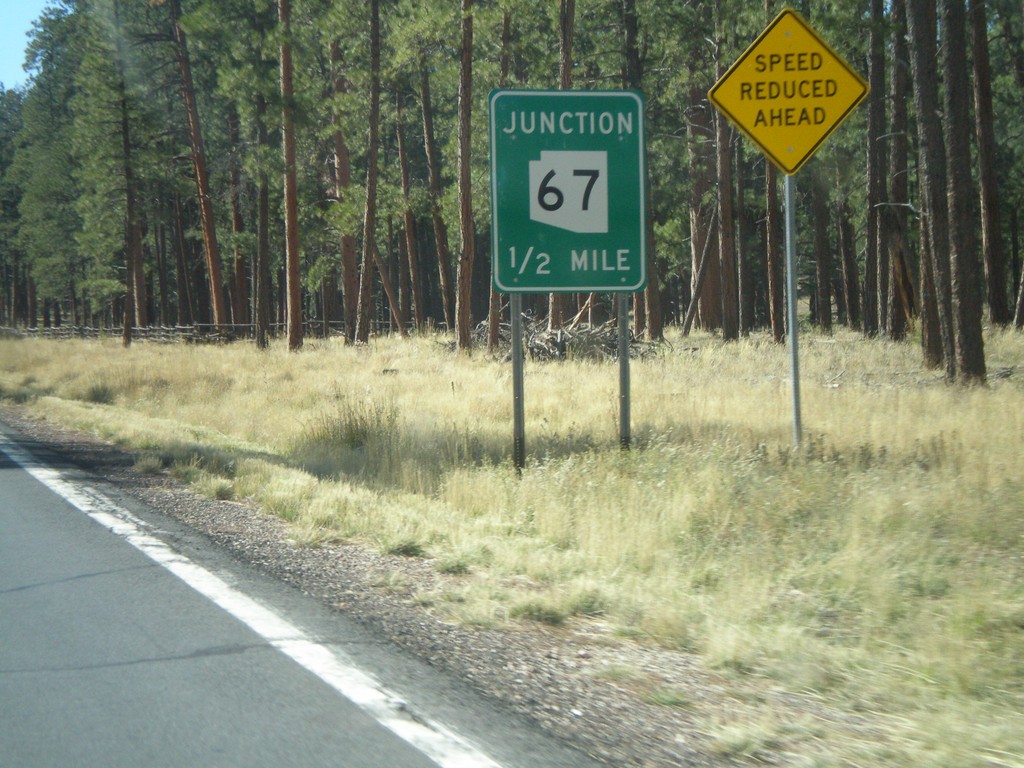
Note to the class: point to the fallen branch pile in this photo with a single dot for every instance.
(575, 342)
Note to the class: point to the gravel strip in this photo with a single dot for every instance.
(623, 702)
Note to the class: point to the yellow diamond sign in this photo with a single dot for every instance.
(788, 91)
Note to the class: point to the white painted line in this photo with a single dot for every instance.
(443, 746)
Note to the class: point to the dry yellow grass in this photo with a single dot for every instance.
(880, 565)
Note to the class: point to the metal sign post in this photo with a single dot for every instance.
(788, 92)
(794, 357)
(624, 433)
(568, 210)
(518, 412)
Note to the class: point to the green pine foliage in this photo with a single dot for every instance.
(63, 172)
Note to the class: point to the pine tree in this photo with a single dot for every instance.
(44, 167)
(988, 171)
(10, 255)
(936, 290)
(204, 194)
(966, 278)
(467, 231)
(293, 274)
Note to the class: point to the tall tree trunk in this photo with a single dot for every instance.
(932, 174)
(181, 267)
(1011, 36)
(746, 253)
(342, 183)
(895, 217)
(200, 287)
(726, 215)
(6, 300)
(726, 232)
(239, 285)
(700, 268)
(262, 288)
(848, 254)
(902, 303)
(1014, 265)
(134, 244)
(160, 248)
(281, 300)
(984, 126)
(1018, 273)
(5, 295)
(1018, 314)
(822, 251)
(707, 292)
(394, 302)
(464, 277)
(632, 78)
(21, 293)
(434, 181)
(931, 333)
(329, 304)
(293, 275)
(409, 221)
(370, 213)
(1013, 40)
(203, 192)
(966, 267)
(566, 32)
(134, 299)
(774, 240)
(33, 298)
(873, 267)
(505, 64)
(402, 283)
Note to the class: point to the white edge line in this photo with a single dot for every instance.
(443, 746)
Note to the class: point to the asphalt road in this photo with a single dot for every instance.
(109, 656)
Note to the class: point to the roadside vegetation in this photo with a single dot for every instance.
(878, 566)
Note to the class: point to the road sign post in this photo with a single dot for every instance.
(788, 92)
(791, 290)
(568, 209)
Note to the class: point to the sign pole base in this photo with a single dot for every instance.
(518, 413)
(624, 416)
(791, 297)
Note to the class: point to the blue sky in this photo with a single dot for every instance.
(16, 17)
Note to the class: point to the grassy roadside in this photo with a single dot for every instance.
(880, 566)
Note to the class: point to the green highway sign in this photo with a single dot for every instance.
(568, 210)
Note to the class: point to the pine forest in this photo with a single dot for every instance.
(312, 167)
(304, 189)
